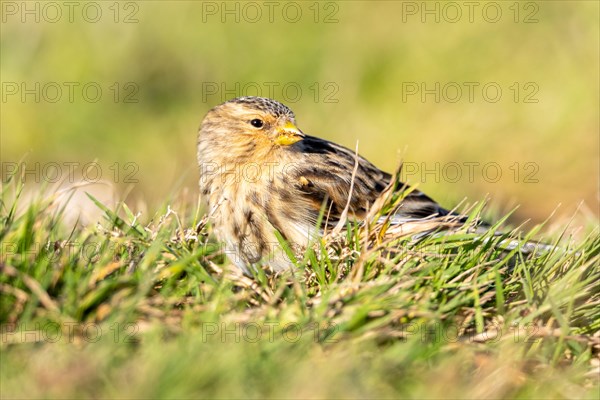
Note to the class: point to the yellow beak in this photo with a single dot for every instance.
(288, 134)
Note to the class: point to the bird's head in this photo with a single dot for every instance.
(257, 118)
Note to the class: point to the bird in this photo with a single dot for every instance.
(266, 182)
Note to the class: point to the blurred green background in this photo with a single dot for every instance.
(350, 71)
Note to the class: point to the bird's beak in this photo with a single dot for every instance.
(288, 134)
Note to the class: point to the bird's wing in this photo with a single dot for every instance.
(326, 173)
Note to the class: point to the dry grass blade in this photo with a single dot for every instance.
(344, 215)
(33, 285)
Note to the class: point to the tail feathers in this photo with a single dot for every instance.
(509, 244)
(419, 229)
(529, 247)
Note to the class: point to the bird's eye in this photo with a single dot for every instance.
(257, 123)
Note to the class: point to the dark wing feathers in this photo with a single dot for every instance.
(332, 184)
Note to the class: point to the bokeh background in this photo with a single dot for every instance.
(352, 71)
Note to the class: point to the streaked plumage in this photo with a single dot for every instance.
(261, 179)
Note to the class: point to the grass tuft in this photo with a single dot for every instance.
(132, 308)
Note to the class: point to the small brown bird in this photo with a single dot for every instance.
(261, 174)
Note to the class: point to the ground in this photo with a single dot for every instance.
(148, 309)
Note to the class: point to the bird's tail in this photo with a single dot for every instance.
(461, 228)
(394, 215)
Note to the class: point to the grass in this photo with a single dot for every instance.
(146, 309)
